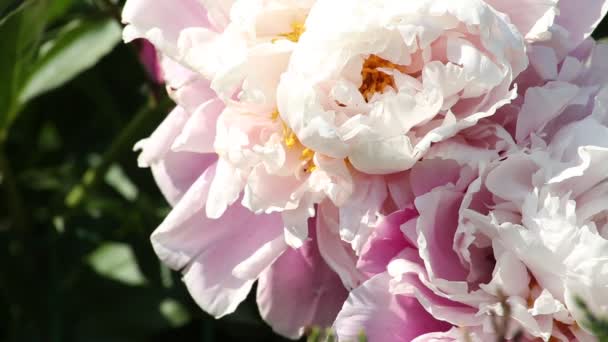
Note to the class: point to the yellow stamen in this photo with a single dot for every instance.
(274, 115)
(290, 139)
(307, 154)
(297, 28)
(311, 168)
(374, 80)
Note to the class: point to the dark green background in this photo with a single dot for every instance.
(76, 211)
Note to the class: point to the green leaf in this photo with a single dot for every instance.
(58, 8)
(597, 325)
(117, 179)
(116, 261)
(174, 312)
(7, 6)
(78, 46)
(20, 32)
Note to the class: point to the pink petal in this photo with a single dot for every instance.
(338, 254)
(162, 21)
(159, 143)
(382, 316)
(359, 214)
(267, 190)
(431, 173)
(149, 58)
(512, 179)
(207, 251)
(400, 189)
(174, 172)
(385, 243)
(532, 17)
(177, 171)
(198, 134)
(188, 89)
(410, 279)
(543, 104)
(544, 60)
(300, 290)
(580, 18)
(436, 228)
(175, 74)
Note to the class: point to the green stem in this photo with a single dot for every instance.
(123, 143)
(14, 199)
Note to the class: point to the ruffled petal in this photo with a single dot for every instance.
(338, 254)
(371, 309)
(207, 251)
(385, 243)
(299, 291)
(177, 171)
(533, 18)
(580, 18)
(162, 21)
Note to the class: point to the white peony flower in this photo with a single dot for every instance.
(381, 81)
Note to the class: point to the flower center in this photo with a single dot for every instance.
(291, 141)
(297, 28)
(375, 80)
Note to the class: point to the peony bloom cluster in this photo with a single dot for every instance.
(410, 169)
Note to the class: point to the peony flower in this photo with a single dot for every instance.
(222, 258)
(259, 156)
(301, 125)
(381, 82)
(530, 228)
(400, 285)
(222, 254)
(543, 218)
(215, 146)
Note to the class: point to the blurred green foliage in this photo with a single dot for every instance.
(598, 325)
(76, 211)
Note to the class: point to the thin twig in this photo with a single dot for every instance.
(123, 143)
(501, 323)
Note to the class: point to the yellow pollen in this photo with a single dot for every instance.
(307, 154)
(274, 115)
(374, 80)
(311, 168)
(291, 141)
(297, 28)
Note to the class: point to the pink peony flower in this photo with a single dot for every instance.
(407, 259)
(531, 226)
(204, 153)
(323, 146)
